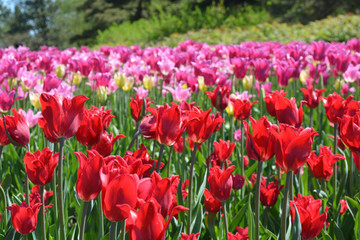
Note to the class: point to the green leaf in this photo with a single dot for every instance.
(211, 220)
(250, 218)
(325, 235)
(251, 169)
(338, 233)
(296, 226)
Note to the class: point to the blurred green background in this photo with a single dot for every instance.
(67, 23)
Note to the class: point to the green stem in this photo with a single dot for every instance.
(112, 231)
(261, 100)
(3, 198)
(242, 149)
(169, 161)
(335, 166)
(101, 233)
(56, 228)
(311, 117)
(1, 149)
(27, 189)
(351, 183)
(257, 198)
(285, 205)
(225, 219)
(160, 158)
(60, 189)
(83, 220)
(222, 127)
(193, 158)
(43, 223)
(153, 149)
(135, 137)
(123, 230)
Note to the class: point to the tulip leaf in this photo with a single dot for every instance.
(296, 226)
(196, 224)
(250, 218)
(211, 220)
(12, 234)
(251, 170)
(357, 226)
(325, 235)
(353, 205)
(202, 188)
(342, 182)
(338, 233)
(180, 199)
(238, 217)
(320, 193)
(268, 232)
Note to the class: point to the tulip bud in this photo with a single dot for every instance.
(102, 94)
(35, 100)
(148, 82)
(230, 109)
(128, 84)
(304, 74)
(77, 78)
(120, 79)
(202, 85)
(60, 71)
(247, 82)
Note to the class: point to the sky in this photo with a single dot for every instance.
(9, 3)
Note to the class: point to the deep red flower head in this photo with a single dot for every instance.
(286, 110)
(210, 203)
(319, 49)
(322, 165)
(106, 143)
(149, 223)
(335, 106)
(136, 106)
(4, 140)
(88, 182)
(311, 221)
(220, 97)
(6, 100)
(311, 97)
(193, 236)
(40, 166)
(242, 234)
(24, 218)
(18, 128)
(269, 193)
(240, 67)
(203, 125)
(350, 132)
(119, 195)
(35, 196)
(148, 126)
(179, 145)
(270, 102)
(224, 149)
(344, 206)
(169, 125)
(242, 108)
(220, 182)
(238, 181)
(260, 145)
(61, 116)
(293, 146)
(352, 108)
(94, 123)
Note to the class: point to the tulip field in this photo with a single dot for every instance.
(259, 140)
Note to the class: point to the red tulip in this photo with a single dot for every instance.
(150, 224)
(179, 145)
(203, 125)
(221, 183)
(242, 108)
(269, 193)
(270, 100)
(311, 221)
(260, 144)
(312, 99)
(106, 144)
(322, 165)
(35, 196)
(293, 146)
(238, 181)
(6, 100)
(61, 116)
(4, 140)
(261, 69)
(119, 195)
(94, 123)
(335, 106)
(286, 110)
(344, 206)
(169, 125)
(224, 149)
(40, 166)
(350, 132)
(242, 234)
(193, 236)
(24, 218)
(136, 106)
(18, 128)
(220, 97)
(148, 126)
(88, 183)
(210, 203)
